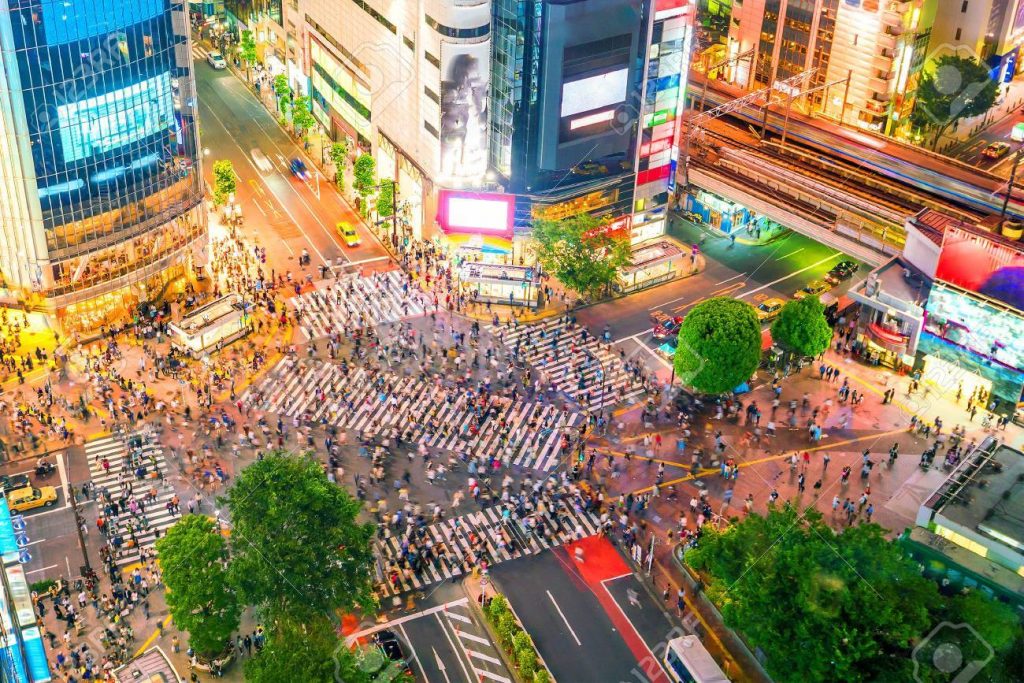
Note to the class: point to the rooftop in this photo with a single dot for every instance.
(986, 494)
(933, 225)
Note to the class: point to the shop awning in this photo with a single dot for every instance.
(890, 341)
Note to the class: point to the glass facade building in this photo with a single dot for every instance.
(100, 187)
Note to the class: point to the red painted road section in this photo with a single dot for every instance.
(601, 561)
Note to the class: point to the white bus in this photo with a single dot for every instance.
(688, 662)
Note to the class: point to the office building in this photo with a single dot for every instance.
(558, 106)
(863, 57)
(100, 190)
(991, 31)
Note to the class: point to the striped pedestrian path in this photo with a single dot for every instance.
(574, 360)
(354, 301)
(527, 433)
(500, 540)
(141, 530)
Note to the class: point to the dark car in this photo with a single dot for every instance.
(668, 329)
(13, 482)
(843, 270)
(299, 169)
(391, 646)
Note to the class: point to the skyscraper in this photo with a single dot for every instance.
(100, 189)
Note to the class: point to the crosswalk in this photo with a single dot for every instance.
(114, 451)
(502, 540)
(526, 433)
(575, 361)
(357, 301)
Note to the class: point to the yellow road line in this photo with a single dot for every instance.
(706, 471)
(97, 435)
(154, 636)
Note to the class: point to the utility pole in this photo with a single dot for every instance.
(1009, 185)
(79, 523)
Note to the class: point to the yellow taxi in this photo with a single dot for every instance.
(30, 498)
(348, 234)
(769, 309)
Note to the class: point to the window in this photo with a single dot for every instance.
(431, 94)
(432, 59)
(447, 31)
(963, 8)
(958, 32)
(431, 129)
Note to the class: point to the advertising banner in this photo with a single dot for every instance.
(982, 265)
(465, 81)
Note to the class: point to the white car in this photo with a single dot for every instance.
(216, 60)
(260, 160)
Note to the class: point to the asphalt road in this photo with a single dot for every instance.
(445, 641)
(752, 273)
(572, 623)
(998, 132)
(286, 213)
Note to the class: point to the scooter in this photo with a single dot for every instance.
(45, 469)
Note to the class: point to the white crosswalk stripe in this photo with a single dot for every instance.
(452, 542)
(526, 433)
(355, 301)
(575, 361)
(134, 533)
(199, 52)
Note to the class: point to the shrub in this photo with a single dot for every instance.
(506, 631)
(498, 606)
(541, 676)
(522, 641)
(527, 662)
(42, 586)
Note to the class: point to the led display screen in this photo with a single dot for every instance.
(476, 212)
(981, 265)
(65, 21)
(109, 121)
(594, 92)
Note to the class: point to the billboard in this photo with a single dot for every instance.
(982, 265)
(477, 213)
(106, 122)
(65, 21)
(465, 71)
(594, 92)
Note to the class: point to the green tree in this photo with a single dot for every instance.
(824, 606)
(297, 547)
(801, 327)
(579, 252)
(193, 557)
(386, 198)
(364, 175)
(719, 345)
(338, 152)
(953, 88)
(248, 50)
(283, 91)
(225, 181)
(302, 117)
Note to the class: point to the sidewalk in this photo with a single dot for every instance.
(966, 130)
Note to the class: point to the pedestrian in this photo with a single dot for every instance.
(633, 597)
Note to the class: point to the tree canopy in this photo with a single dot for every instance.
(802, 328)
(719, 345)
(193, 556)
(386, 198)
(579, 252)
(364, 175)
(953, 88)
(302, 117)
(829, 606)
(248, 45)
(225, 182)
(296, 545)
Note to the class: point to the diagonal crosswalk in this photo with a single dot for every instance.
(575, 361)
(526, 433)
(453, 543)
(355, 301)
(136, 531)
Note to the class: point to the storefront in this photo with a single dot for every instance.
(721, 214)
(651, 264)
(501, 284)
(410, 185)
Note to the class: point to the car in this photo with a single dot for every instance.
(348, 234)
(392, 648)
(260, 160)
(843, 270)
(216, 60)
(813, 288)
(12, 482)
(996, 150)
(299, 170)
(30, 498)
(769, 309)
(668, 329)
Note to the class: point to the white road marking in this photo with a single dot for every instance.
(472, 636)
(561, 614)
(34, 571)
(401, 620)
(730, 279)
(481, 655)
(455, 648)
(790, 254)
